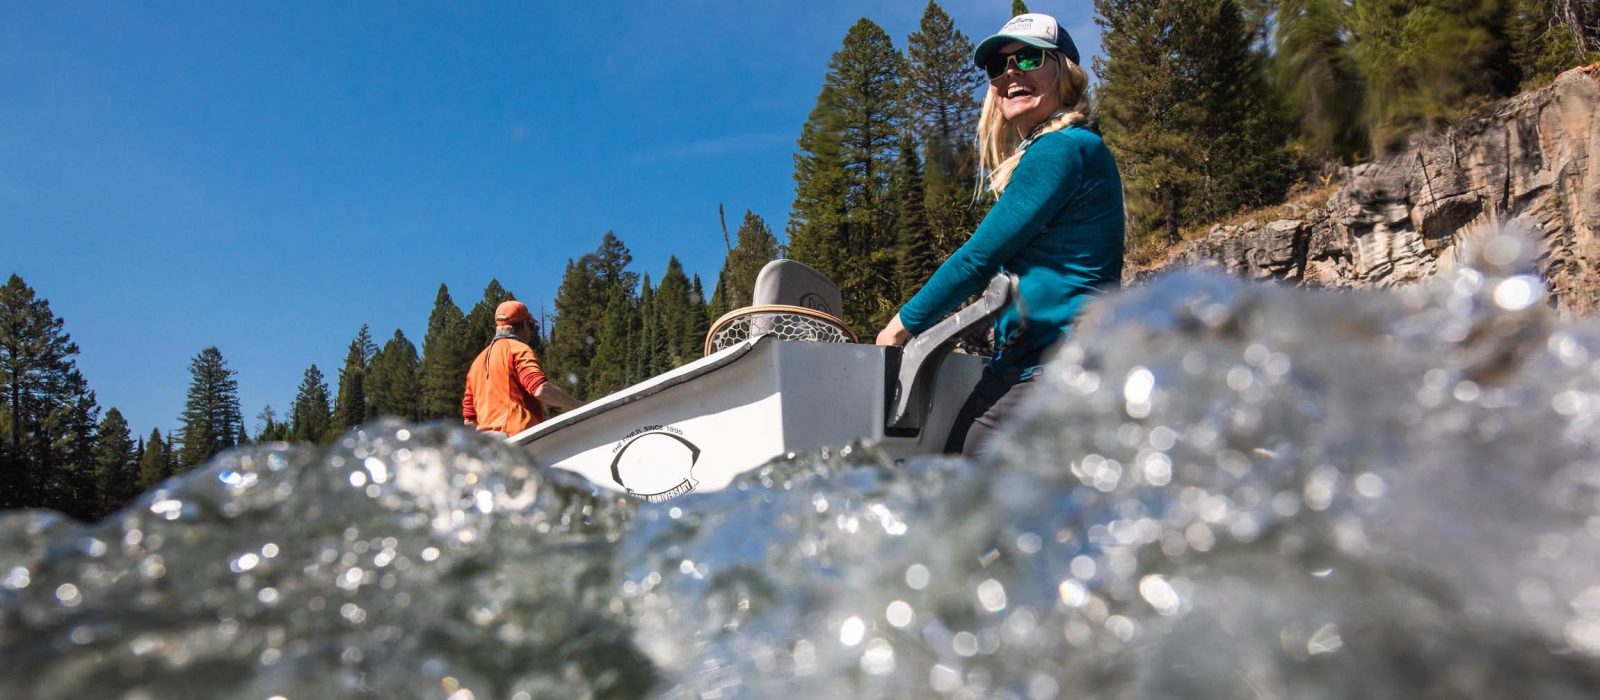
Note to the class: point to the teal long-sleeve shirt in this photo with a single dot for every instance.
(1058, 226)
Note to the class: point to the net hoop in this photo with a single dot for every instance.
(786, 322)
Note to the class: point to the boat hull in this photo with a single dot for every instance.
(699, 426)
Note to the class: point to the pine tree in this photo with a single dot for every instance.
(580, 309)
(351, 405)
(611, 262)
(1018, 7)
(170, 463)
(859, 113)
(1551, 36)
(755, 246)
(575, 331)
(211, 417)
(48, 412)
(816, 229)
(941, 90)
(610, 369)
(915, 249)
(116, 470)
(447, 353)
(311, 420)
(699, 321)
(272, 430)
(153, 463)
(480, 321)
(1247, 162)
(1317, 79)
(651, 354)
(392, 383)
(1421, 59)
(675, 312)
(1186, 110)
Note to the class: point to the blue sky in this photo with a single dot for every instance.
(267, 177)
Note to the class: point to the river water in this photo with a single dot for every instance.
(1225, 490)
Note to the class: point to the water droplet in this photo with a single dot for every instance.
(68, 595)
(917, 577)
(899, 613)
(852, 631)
(878, 659)
(992, 595)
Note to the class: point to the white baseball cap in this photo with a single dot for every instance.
(1037, 30)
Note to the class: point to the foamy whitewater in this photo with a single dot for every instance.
(1225, 489)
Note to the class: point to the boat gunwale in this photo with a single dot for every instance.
(638, 392)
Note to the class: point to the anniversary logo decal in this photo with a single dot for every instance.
(655, 462)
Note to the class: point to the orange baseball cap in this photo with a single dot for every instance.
(513, 311)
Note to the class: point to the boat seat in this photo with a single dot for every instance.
(791, 301)
(792, 283)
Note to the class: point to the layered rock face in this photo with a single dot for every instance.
(1532, 163)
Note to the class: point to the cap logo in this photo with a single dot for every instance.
(1025, 24)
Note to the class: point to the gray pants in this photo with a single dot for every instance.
(992, 402)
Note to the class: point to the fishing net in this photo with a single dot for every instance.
(785, 322)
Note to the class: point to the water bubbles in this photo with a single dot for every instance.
(964, 644)
(1136, 392)
(1159, 594)
(1073, 594)
(1162, 438)
(878, 658)
(377, 468)
(852, 631)
(1518, 293)
(1370, 485)
(899, 613)
(1082, 567)
(1156, 468)
(167, 508)
(17, 578)
(1325, 640)
(1029, 543)
(917, 577)
(92, 547)
(68, 595)
(1124, 629)
(1303, 462)
(244, 562)
(1042, 687)
(944, 679)
(992, 595)
(1502, 250)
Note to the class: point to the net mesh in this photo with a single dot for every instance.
(786, 324)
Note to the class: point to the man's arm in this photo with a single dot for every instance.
(551, 395)
(531, 374)
(469, 412)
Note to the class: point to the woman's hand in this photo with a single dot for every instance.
(895, 333)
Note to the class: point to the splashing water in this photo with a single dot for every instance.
(1222, 489)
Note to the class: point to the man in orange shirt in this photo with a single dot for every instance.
(506, 388)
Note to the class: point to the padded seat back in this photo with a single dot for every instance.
(791, 283)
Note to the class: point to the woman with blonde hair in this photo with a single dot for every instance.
(1057, 225)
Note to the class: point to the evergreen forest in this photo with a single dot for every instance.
(1211, 107)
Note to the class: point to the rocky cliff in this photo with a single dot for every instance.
(1531, 162)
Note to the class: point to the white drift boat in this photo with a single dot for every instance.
(781, 376)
